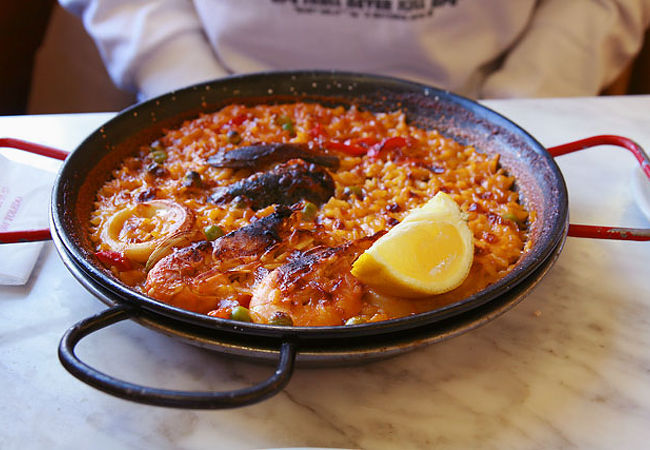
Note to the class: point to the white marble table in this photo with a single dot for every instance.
(569, 367)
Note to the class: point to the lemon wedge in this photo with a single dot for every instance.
(430, 252)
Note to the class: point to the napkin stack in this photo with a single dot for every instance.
(24, 202)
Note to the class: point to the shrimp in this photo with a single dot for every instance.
(199, 277)
(315, 289)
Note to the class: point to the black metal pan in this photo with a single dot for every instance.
(539, 182)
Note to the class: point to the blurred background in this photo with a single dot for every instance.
(50, 65)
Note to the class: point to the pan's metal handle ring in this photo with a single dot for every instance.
(11, 237)
(604, 232)
(162, 397)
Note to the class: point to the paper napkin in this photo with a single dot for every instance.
(24, 205)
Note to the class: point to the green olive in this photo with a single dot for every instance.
(155, 169)
(353, 190)
(192, 179)
(282, 319)
(233, 137)
(239, 202)
(511, 217)
(159, 156)
(213, 232)
(287, 124)
(356, 320)
(309, 211)
(240, 314)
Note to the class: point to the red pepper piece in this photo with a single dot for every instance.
(393, 142)
(388, 144)
(110, 258)
(346, 147)
(237, 120)
(317, 131)
(367, 142)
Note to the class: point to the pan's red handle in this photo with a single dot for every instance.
(604, 232)
(32, 147)
(10, 237)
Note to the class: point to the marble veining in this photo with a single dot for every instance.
(569, 367)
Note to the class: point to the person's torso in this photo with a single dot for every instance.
(448, 43)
